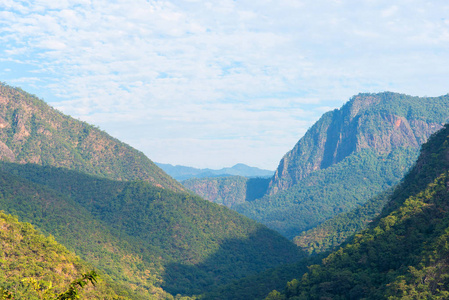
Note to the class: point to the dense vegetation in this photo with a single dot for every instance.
(335, 231)
(381, 122)
(33, 132)
(326, 193)
(347, 157)
(29, 259)
(140, 235)
(228, 190)
(404, 252)
(258, 286)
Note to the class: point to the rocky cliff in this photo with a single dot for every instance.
(383, 122)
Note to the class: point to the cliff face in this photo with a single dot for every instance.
(403, 254)
(228, 190)
(33, 132)
(382, 122)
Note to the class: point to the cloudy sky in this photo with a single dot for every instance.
(215, 83)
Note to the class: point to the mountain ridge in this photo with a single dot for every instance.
(341, 132)
(403, 253)
(347, 157)
(119, 211)
(139, 234)
(33, 132)
(182, 173)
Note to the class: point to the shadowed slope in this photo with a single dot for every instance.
(135, 232)
(404, 253)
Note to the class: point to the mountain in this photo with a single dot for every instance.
(33, 132)
(228, 190)
(183, 173)
(345, 158)
(404, 252)
(118, 211)
(143, 237)
(382, 122)
(28, 255)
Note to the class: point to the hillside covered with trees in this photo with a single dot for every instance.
(143, 237)
(33, 132)
(346, 158)
(403, 254)
(228, 190)
(34, 266)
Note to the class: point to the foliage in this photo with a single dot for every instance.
(72, 292)
(142, 236)
(404, 252)
(347, 157)
(326, 193)
(37, 267)
(259, 285)
(335, 231)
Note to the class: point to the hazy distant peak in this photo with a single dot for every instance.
(182, 172)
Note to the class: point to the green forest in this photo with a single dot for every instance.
(347, 157)
(35, 266)
(141, 234)
(83, 214)
(403, 254)
(326, 193)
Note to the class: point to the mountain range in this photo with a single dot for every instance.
(118, 211)
(403, 254)
(348, 156)
(96, 203)
(183, 173)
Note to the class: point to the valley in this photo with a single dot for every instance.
(98, 204)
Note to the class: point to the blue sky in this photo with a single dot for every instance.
(215, 83)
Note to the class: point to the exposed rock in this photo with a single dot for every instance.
(382, 122)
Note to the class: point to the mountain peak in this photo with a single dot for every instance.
(382, 122)
(33, 132)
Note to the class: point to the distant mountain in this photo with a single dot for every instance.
(345, 158)
(228, 190)
(118, 211)
(183, 173)
(404, 252)
(33, 132)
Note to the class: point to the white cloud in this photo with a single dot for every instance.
(203, 75)
(390, 11)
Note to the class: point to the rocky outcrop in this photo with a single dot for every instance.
(382, 122)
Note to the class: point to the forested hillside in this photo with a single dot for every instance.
(33, 132)
(347, 157)
(382, 122)
(403, 254)
(335, 231)
(28, 258)
(142, 236)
